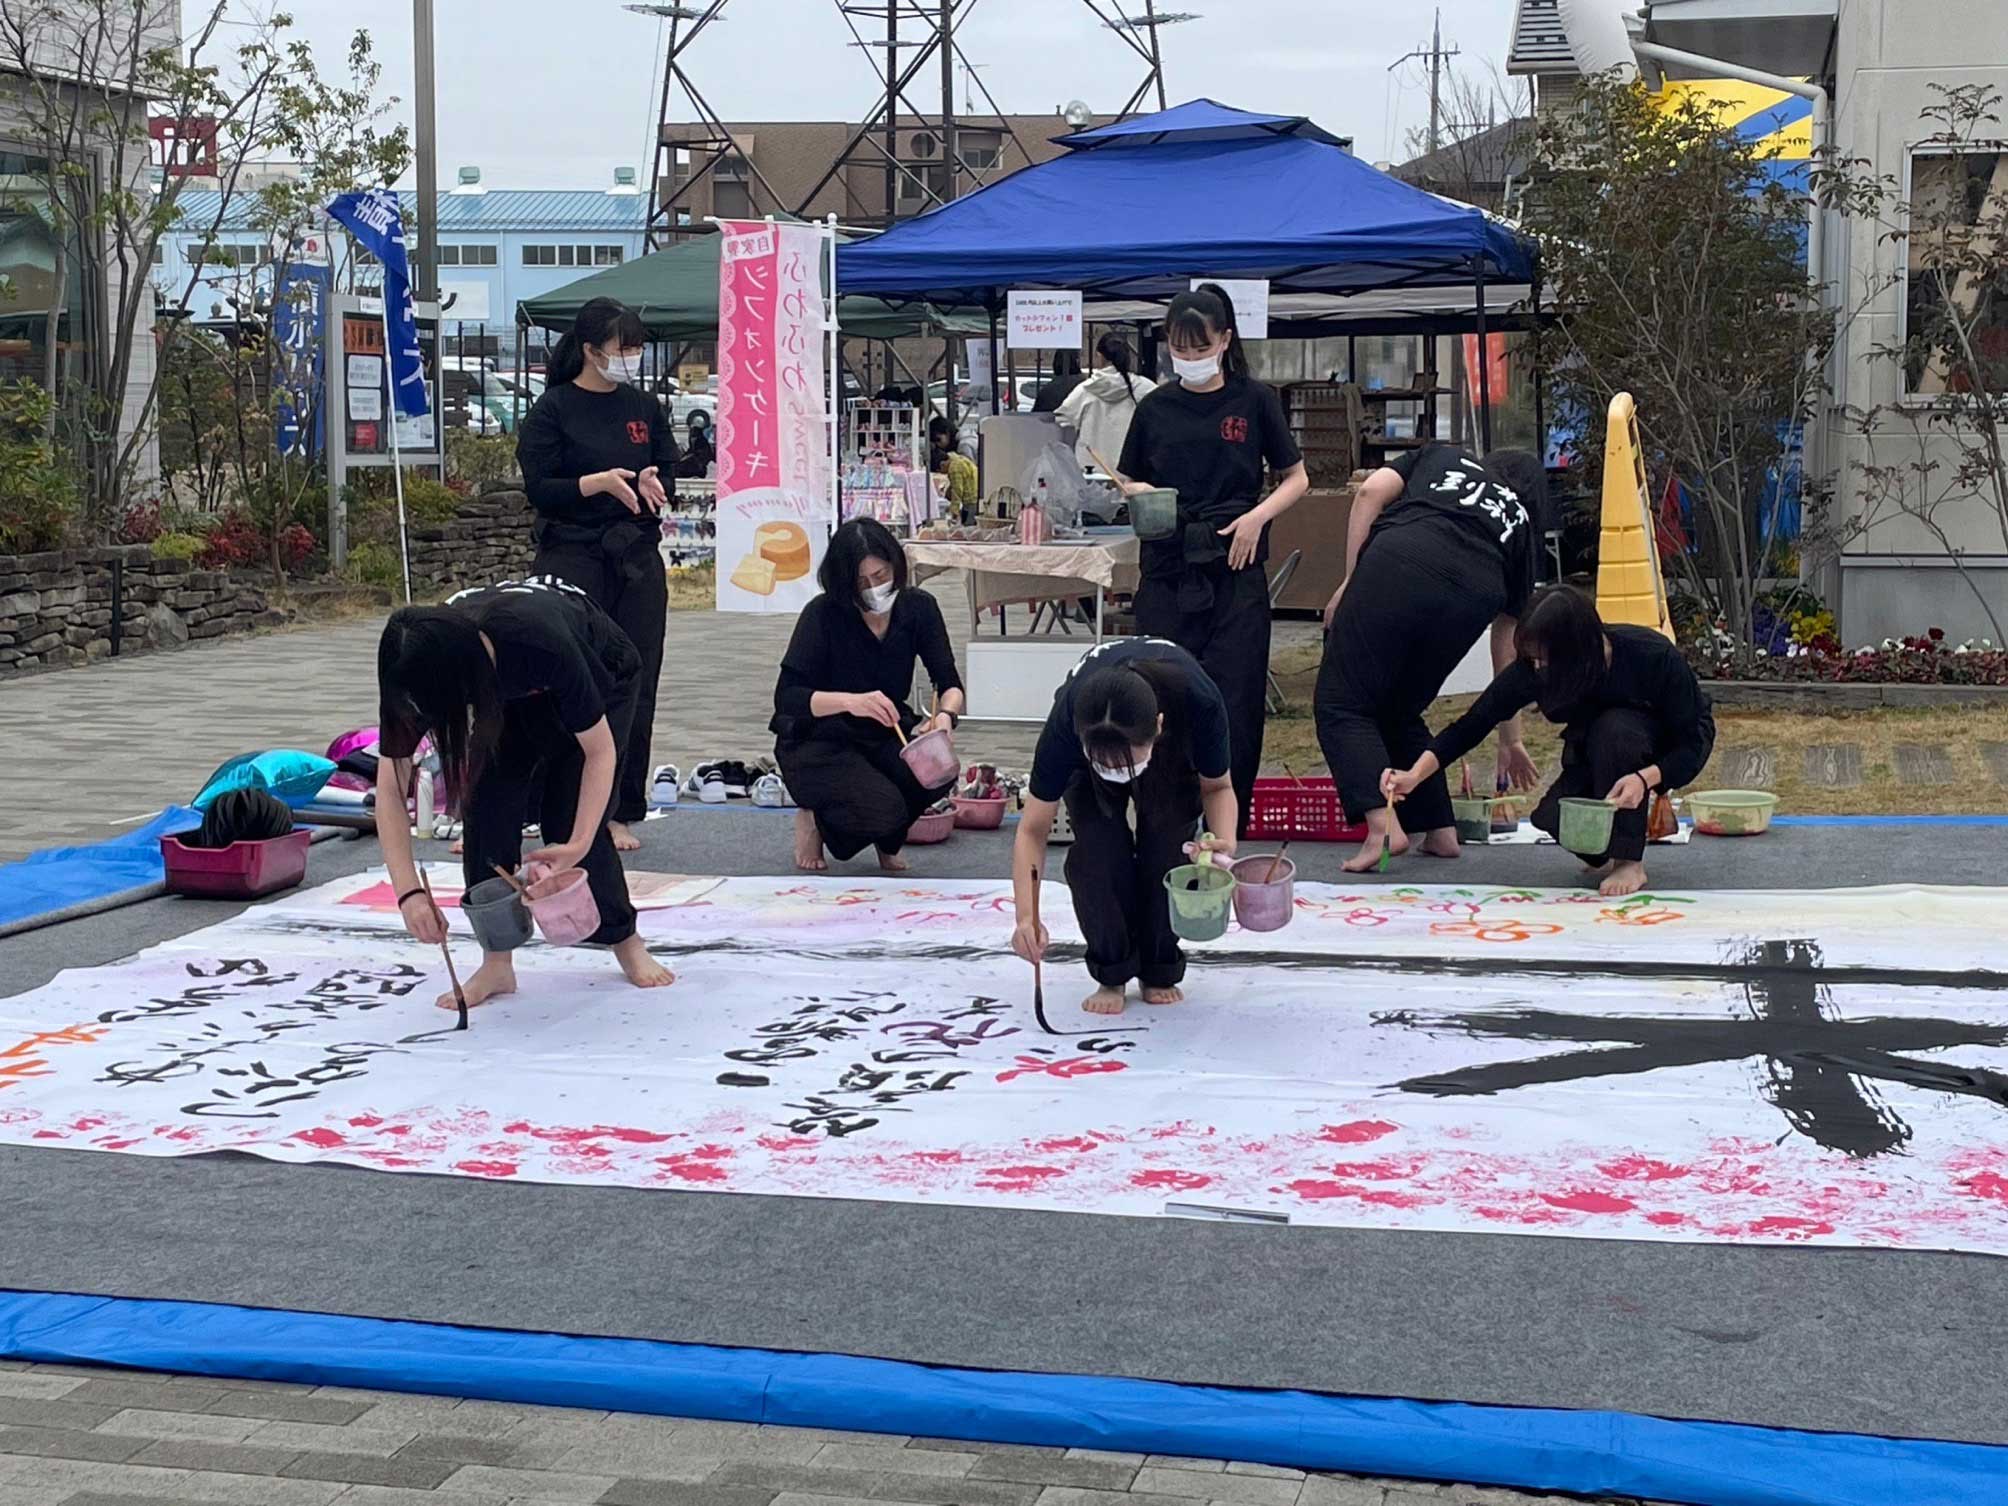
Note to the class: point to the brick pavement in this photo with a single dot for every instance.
(72, 1436)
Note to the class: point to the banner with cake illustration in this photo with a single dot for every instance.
(774, 504)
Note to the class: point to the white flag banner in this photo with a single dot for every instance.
(1823, 1067)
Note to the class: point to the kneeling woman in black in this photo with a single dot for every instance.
(1440, 545)
(1137, 718)
(526, 690)
(1634, 720)
(842, 692)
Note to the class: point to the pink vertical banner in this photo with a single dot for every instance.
(773, 457)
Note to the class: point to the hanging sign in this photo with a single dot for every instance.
(1250, 296)
(1045, 321)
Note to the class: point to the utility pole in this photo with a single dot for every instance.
(891, 111)
(951, 149)
(425, 145)
(1437, 56)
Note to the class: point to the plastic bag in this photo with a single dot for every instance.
(292, 776)
(1060, 495)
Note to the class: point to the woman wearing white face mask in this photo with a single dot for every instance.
(842, 691)
(1211, 435)
(596, 451)
(1138, 719)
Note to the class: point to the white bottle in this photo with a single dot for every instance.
(424, 812)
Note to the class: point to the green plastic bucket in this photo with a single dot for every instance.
(1474, 818)
(1154, 514)
(1586, 826)
(1202, 900)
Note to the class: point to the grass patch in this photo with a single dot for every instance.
(694, 589)
(1961, 730)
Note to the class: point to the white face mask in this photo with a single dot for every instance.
(1192, 373)
(880, 598)
(1120, 776)
(622, 367)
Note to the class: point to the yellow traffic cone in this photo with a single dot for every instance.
(1630, 587)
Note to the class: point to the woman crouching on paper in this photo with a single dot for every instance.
(526, 689)
(1634, 721)
(1138, 718)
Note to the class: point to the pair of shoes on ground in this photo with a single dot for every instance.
(725, 779)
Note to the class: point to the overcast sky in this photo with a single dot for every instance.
(556, 93)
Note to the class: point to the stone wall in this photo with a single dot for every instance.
(56, 608)
(488, 540)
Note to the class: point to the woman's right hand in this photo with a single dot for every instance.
(1398, 784)
(1332, 606)
(422, 918)
(873, 706)
(1029, 939)
(613, 483)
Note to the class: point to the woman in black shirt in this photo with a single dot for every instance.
(1210, 435)
(525, 689)
(595, 451)
(843, 688)
(698, 450)
(1634, 720)
(1440, 544)
(1137, 717)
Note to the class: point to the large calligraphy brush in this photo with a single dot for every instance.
(1038, 971)
(459, 995)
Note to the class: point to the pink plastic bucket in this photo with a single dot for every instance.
(932, 758)
(1262, 906)
(562, 904)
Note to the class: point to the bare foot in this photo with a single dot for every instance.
(495, 977)
(892, 862)
(642, 970)
(624, 840)
(808, 844)
(1369, 855)
(1624, 878)
(1104, 1001)
(1441, 843)
(1171, 994)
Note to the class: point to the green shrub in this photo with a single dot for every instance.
(178, 546)
(485, 462)
(38, 494)
(428, 503)
(375, 564)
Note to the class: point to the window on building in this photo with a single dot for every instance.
(229, 254)
(732, 200)
(606, 256)
(1956, 319)
(27, 253)
(449, 256)
(159, 254)
(567, 256)
(683, 217)
(540, 256)
(980, 151)
(477, 256)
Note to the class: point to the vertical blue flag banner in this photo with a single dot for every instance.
(299, 324)
(372, 216)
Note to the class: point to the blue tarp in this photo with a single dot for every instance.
(1590, 1453)
(1138, 209)
(58, 877)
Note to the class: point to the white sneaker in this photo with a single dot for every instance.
(664, 786)
(711, 786)
(769, 791)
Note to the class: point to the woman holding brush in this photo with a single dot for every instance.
(526, 689)
(1137, 720)
(840, 711)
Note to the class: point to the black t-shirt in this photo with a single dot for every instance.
(1482, 530)
(832, 649)
(1202, 717)
(1212, 447)
(570, 432)
(1646, 673)
(550, 640)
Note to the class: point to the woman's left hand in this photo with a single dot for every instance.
(1246, 532)
(1629, 793)
(649, 484)
(554, 858)
(938, 722)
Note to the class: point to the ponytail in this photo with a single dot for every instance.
(1204, 314)
(1115, 350)
(599, 320)
(1235, 364)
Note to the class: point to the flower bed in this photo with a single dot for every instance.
(1926, 659)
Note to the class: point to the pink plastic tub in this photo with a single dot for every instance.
(562, 905)
(935, 826)
(243, 870)
(1263, 906)
(932, 758)
(979, 815)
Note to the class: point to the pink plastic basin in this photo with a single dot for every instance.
(932, 758)
(562, 905)
(979, 815)
(1261, 906)
(243, 870)
(935, 826)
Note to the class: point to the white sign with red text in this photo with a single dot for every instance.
(1045, 321)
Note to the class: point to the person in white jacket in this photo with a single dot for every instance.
(1099, 411)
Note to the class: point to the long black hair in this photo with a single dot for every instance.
(601, 320)
(1563, 632)
(1202, 316)
(850, 546)
(435, 679)
(1116, 711)
(1066, 363)
(1114, 349)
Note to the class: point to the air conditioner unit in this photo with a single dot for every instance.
(924, 144)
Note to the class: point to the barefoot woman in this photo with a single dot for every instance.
(843, 688)
(1137, 718)
(1634, 720)
(522, 687)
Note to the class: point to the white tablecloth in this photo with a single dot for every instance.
(1001, 574)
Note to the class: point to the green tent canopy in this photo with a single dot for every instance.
(676, 293)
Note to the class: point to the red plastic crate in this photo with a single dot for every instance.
(243, 870)
(1299, 811)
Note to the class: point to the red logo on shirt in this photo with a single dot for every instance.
(637, 431)
(1234, 430)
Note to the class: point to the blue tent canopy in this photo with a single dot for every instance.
(1137, 209)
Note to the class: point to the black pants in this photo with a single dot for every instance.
(1401, 628)
(862, 794)
(537, 762)
(1595, 757)
(1116, 876)
(630, 587)
(1230, 639)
